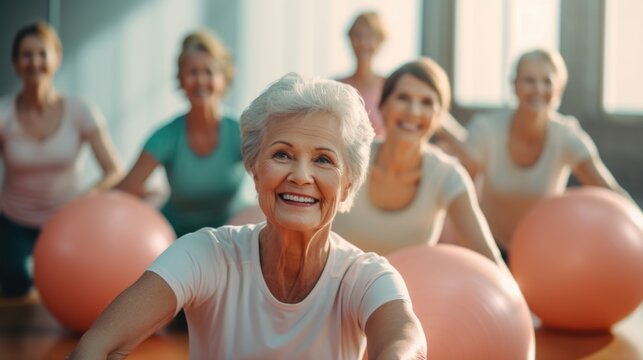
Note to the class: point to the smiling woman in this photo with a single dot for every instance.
(42, 133)
(198, 150)
(527, 154)
(412, 185)
(290, 285)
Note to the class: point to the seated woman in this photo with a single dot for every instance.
(287, 288)
(200, 150)
(367, 35)
(411, 184)
(526, 154)
(42, 133)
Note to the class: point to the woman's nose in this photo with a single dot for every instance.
(300, 173)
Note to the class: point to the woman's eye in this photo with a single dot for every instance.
(403, 96)
(281, 155)
(324, 160)
(427, 102)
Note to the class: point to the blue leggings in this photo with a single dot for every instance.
(16, 245)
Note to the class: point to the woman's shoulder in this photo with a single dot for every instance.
(228, 239)
(78, 105)
(565, 121)
(6, 108)
(491, 118)
(436, 157)
(171, 127)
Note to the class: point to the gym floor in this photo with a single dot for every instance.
(27, 331)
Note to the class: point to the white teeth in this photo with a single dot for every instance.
(408, 126)
(301, 199)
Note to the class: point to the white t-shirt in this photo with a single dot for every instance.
(510, 190)
(231, 314)
(384, 231)
(41, 176)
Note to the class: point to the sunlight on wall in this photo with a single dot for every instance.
(623, 75)
(128, 70)
(309, 37)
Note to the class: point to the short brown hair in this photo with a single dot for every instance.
(425, 70)
(209, 43)
(40, 29)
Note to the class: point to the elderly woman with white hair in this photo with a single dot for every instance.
(287, 288)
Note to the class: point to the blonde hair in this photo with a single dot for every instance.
(207, 42)
(373, 21)
(40, 29)
(552, 57)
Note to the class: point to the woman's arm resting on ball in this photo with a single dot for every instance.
(394, 332)
(133, 316)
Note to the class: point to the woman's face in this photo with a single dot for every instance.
(412, 110)
(201, 78)
(37, 60)
(365, 41)
(300, 173)
(537, 86)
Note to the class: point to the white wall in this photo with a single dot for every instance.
(121, 55)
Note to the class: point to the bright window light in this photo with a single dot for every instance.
(623, 72)
(490, 35)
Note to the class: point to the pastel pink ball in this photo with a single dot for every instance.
(91, 250)
(468, 307)
(578, 259)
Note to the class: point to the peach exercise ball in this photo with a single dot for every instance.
(578, 259)
(468, 307)
(91, 250)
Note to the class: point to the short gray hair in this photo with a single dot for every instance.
(294, 96)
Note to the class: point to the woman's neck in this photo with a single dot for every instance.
(37, 97)
(399, 156)
(293, 261)
(527, 123)
(206, 116)
(364, 73)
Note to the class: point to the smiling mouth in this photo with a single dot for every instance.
(408, 126)
(297, 199)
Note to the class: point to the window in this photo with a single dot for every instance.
(623, 71)
(489, 37)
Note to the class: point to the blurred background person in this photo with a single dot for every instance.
(200, 150)
(366, 34)
(526, 154)
(42, 133)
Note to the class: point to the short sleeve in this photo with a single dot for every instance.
(190, 267)
(478, 137)
(578, 145)
(162, 143)
(456, 182)
(88, 118)
(5, 110)
(374, 283)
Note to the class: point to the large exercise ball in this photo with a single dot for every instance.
(578, 259)
(91, 250)
(468, 307)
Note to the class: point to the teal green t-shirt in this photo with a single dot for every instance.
(205, 190)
